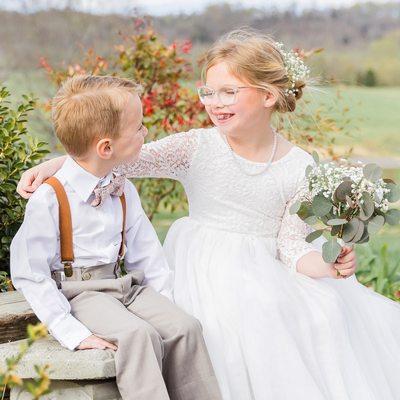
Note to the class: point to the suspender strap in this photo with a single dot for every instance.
(65, 223)
(123, 204)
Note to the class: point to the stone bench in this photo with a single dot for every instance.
(75, 375)
(15, 315)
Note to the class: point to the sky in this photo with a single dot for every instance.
(162, 7)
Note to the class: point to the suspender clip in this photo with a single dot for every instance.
(68, 268)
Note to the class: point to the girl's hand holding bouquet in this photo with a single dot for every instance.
(346, 203)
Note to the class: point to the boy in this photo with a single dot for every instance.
(65, 257)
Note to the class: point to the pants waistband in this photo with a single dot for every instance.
(104, 271)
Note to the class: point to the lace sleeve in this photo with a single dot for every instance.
(169, 157)
(291, 238)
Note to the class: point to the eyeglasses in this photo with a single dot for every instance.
(227, 95)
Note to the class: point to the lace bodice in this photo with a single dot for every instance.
(222, 196)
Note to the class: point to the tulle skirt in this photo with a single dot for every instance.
(277, 335)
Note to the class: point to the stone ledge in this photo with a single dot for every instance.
(82, 390)
(15, 315)
(64, 364)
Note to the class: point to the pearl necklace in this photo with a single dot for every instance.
(238, 159)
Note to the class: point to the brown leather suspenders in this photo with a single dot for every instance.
(65, 223)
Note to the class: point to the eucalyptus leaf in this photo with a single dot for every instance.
(321, 205)
(311, 220)
(367, 207)
(372, 172)
(331, 250)
(343, 190)
(360, 232)
(362, 215)
(392, 217)
(295, 207)
(314, 235)
(304, 211)
(394, 194)
(309, 169)
(315, 157)
(364, 238)
(375, 223)
(350, 229)
(337, 221)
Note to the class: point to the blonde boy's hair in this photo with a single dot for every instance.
(87, 108)
(255, 58)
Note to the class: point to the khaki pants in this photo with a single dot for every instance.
(161, 351)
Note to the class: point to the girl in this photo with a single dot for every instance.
(277, 322)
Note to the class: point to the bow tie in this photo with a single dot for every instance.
(115, 188)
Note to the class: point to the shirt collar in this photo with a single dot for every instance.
(81, 181)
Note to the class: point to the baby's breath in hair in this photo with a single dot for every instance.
(296, 70)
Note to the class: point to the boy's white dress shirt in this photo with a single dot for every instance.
(35, 249)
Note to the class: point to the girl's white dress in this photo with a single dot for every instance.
(272, 333)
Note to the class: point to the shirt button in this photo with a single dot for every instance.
(86, 276)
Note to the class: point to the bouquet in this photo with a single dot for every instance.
(346, 203)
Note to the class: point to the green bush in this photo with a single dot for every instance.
(379, 269)
(18, 152)
(367, 79)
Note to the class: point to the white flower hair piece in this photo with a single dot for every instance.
(296, 69)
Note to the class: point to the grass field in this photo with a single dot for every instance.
(374, 115)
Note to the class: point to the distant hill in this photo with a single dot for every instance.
(59, 35)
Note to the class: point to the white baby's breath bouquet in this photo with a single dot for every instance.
(346, 203)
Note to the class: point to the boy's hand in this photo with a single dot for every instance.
(94, 342)
(346, 264)
(35, 176)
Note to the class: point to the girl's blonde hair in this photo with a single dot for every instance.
(256, 59)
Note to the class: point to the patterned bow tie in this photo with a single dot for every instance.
(115, 188)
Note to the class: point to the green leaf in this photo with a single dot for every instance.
(295, 207)
(314, 235)
(8, 186)
(311, 220)
(360, 233)
(315, 157)
(321, 205)
(367, 207)
(16, 154)
(372, 172)
(337, 221)
(350, 229)
(309, 169)
(305, 211)
(375, 224)
(394, 194)
(331, 250)
(392, 217)
(343, 190)
(365, 237)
